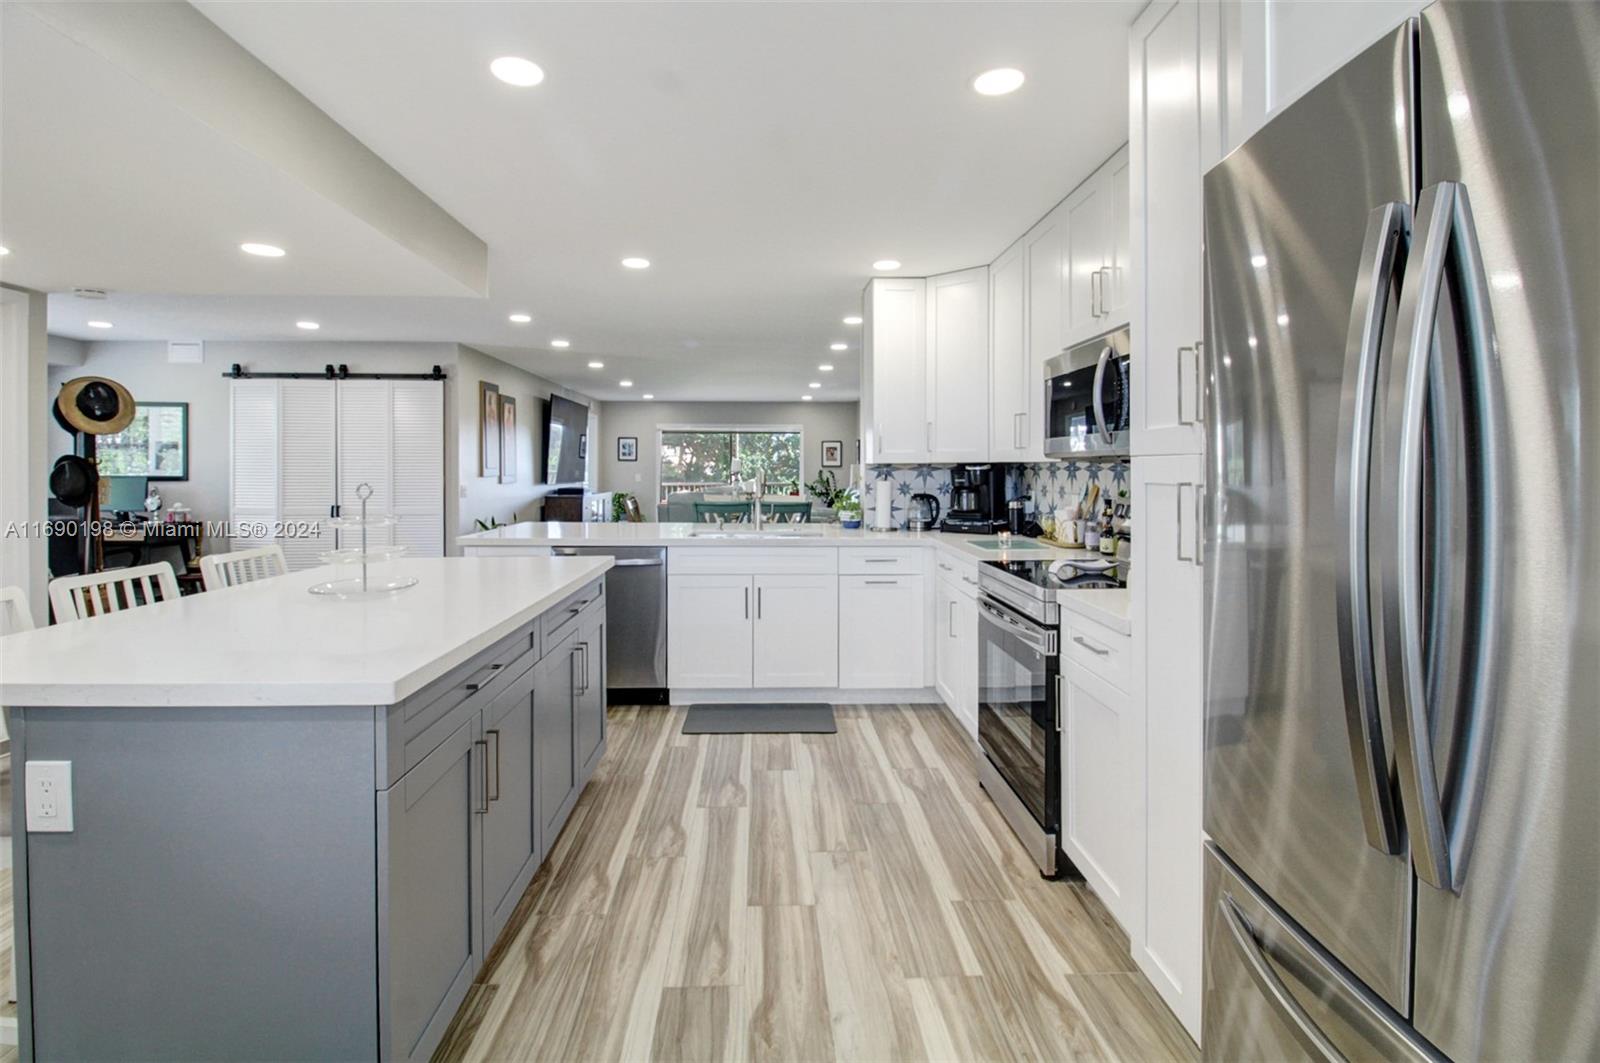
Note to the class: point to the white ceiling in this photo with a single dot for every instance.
(761, 155)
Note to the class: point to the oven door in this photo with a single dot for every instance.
(1017, 671)
(1086, 403)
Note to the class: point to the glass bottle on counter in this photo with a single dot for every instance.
(1108, 532)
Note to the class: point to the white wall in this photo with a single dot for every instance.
(818, 421)
(24, 470)
(482, 497)
(143, 368)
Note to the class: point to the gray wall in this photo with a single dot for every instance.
(481, 497)
(143, 368)
(818, 421)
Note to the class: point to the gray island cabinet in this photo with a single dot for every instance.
(250, 877)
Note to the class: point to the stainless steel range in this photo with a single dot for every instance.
(1019, 698)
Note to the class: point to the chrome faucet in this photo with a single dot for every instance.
(755, 502)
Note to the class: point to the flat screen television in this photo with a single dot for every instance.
(565, 424)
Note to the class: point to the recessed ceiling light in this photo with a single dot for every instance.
(1506, 280)
(853, 319)
(520, 319)
(634, 262)
(597, 365)
(998, 82)
(263, 250)
(1258, 261)
(824, 368)
(309, 326)
(563, 344)
(1283, 319)
(805, 398)
(814, 384)
(838, 346)
(515, 70)
(99, 324)
(1252, 342)
(625, 383)
(647, 395)
(4, 251)
(884, 264)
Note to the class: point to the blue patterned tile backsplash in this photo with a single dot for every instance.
(1051, 484)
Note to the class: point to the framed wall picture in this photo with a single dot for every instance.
(155, 444)
(627, 448)
(832, 453)
(508, 439)
(488, 429)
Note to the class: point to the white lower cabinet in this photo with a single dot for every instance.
(796, 631)
(1102, 756)
(955, 651)
(710, 630)
(1169, 681)
(882, 632)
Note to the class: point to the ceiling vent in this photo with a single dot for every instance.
(89, 293)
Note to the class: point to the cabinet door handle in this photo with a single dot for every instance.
(952, 620)
(747, 603)
(1094, 294)
(1199, 524)
(1199, 382)
(483, 776)
(1178, 364)
(1177, 495)
(583, 667)
(494, 795)
(928, 434)
(758, 603)
(1091, 647)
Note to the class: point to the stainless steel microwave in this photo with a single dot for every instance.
(1087, 398)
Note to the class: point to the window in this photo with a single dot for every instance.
(155, 444)
(699, 459)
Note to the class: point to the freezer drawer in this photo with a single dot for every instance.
(1271, 993)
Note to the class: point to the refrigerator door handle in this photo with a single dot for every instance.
(1382, 262)
(1447, 238)
(1313, 1040)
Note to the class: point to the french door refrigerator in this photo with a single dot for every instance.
(1402, 751)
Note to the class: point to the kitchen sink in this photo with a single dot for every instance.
(777, 533)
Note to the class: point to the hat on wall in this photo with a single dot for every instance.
(74, 480)
(95, 405)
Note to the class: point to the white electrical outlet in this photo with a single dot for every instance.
(49, 784)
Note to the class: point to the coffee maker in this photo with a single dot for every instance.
(977, 500)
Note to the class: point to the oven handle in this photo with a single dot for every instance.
(1041, 639)
(1099, 393)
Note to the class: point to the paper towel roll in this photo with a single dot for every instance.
(883, 505)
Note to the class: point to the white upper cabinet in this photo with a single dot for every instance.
(894, 371)
(958, 366)
(1096, 257)
(1044, 252)
(1166, 270)
(925, 369)
(1009, 368)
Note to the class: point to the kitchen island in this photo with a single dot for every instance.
(296, 824)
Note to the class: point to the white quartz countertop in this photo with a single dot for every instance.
(274, 643)
(1109, 606)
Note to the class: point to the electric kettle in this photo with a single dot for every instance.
(923, 513)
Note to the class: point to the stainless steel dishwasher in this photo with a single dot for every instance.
(636, 621)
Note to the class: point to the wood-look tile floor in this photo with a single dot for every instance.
(852, 896)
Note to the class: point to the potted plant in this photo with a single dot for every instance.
(849, 511)
(827, 492)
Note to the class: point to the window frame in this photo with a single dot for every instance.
(183, 471)
(785, 429)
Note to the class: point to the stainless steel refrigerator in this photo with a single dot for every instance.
(1402, 751)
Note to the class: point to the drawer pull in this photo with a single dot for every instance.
(880, 560)
(1091, 647)
(472, 688)
(883, 582)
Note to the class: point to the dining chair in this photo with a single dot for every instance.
(729, 512)
(98, 593)
(14, 612)
(788, 512)
(242, 566)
